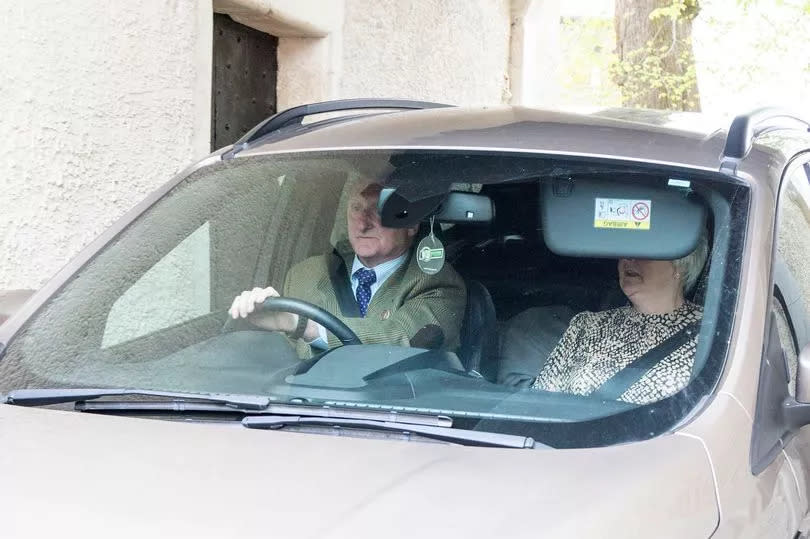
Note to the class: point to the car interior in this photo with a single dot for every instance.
(516, 282)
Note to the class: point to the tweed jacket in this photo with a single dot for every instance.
(406, 302)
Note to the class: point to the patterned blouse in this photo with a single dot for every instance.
(598, 345)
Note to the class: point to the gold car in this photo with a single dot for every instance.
(431, 321)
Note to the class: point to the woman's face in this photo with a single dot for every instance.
(648, 279)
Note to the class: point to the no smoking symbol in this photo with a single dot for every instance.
(640, 211)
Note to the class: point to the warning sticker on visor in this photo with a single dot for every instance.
(622, 213)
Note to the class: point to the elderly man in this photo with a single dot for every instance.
(373, 284)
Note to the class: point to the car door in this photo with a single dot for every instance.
(791, 302)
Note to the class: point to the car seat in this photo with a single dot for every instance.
(529, 338)
(479, 332)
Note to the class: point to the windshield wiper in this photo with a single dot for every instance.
(309, 410)
(46, 396)
(448, 434)
(207, 402)
(262, 413)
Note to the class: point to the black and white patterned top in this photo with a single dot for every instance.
(598, 345)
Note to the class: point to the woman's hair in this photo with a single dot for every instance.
(692, 264)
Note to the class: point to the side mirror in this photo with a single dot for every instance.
(803, 376)
(11, 301)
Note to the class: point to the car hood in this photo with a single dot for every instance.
(73, 474)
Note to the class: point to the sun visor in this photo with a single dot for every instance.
(585, 217)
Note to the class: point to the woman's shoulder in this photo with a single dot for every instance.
(588, 318)
(691, 312)
(693, 307)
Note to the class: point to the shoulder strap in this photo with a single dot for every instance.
(615, 386)
(339, 278)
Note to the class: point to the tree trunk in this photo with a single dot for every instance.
(657, 56)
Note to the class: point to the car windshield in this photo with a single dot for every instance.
(581, 302)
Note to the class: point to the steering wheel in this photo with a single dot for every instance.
(302, 308)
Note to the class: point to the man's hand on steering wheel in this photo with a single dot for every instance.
(248, 304)
(265, 308)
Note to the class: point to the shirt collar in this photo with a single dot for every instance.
(384, 270)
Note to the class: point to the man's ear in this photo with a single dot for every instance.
(412, 231)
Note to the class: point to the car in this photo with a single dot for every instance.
(138, 401)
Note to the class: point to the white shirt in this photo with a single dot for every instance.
(383, 272)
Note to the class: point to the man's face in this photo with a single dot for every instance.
(373, 243)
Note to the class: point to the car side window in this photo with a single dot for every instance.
(788, 340)
(792, 262)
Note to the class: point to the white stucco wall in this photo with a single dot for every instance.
(101, 103)
(447, 50)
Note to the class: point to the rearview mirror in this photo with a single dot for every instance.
(399, 211)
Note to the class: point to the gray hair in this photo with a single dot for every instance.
(691, 266)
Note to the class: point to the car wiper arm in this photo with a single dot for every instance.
(265, 415)
(468, 437)
(275, 409)
(46, 396)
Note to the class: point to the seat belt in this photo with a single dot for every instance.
(615, 386)
(339, 278)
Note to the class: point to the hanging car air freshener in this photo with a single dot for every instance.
(430, 253)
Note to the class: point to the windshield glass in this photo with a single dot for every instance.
(559, 299)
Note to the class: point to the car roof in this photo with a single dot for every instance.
(685, 139)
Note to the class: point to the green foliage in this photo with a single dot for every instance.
(587, 44)
(805, 6)
(679, 10)
(767, 40)
(662, 73)
(643, 73)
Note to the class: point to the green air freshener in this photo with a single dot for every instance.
(430, 254)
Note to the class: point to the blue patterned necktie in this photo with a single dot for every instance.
(365, 278)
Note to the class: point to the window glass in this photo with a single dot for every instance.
(470, 335)
(792, 267)
(788, 339)
(175, 290)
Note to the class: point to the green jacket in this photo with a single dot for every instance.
(407, 301)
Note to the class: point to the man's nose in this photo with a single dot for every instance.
(366, 219)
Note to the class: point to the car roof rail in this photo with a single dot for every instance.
(296, 115)
(746, 127)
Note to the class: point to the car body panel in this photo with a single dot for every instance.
(11, 301)
(505, 128)
(764, 505)
(741, 374)
(93, 475)
(797, 452)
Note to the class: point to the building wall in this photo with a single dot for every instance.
(447, 50)
(102, 102)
